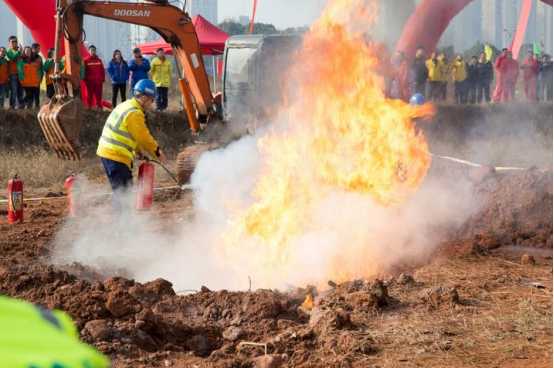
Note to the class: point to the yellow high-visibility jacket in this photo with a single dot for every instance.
(34, 337)
(124, 133)
(160, 71)
(459, 72)
(436, 70)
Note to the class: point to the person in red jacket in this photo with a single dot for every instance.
(497, 96)
(530, 67)
(499, 91)
(510, 72)
(399, 86)
(95, 74)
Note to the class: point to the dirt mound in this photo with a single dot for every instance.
(512, 208)
(20, 128)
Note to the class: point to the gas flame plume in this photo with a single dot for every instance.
(341, 136)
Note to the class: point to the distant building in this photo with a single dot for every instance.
(491, 23)
(107, 36)
(206, 8)
(465, 29)
(242, 19)
(495, 21)
(543, 28)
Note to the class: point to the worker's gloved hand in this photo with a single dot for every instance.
(140, 156)
(162, 159)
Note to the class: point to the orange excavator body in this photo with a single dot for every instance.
(61, 118)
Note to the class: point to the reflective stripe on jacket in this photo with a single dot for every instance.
(125, 132)
(35, 337)
(161, 71)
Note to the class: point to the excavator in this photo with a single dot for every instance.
(250, 78)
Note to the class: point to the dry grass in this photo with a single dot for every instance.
(502, 321)
(41, 169)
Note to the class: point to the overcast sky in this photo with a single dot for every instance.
(281, 13)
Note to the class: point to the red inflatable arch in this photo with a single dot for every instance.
(38, 16)
(427, 24)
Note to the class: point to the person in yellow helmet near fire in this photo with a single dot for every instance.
(33, 337)
(124, 135)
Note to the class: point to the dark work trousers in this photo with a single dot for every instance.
(472, 91)
(483, 90)
(118, 88)
(433, 91)
(50, 91)
(545, 89)
(30, 97)
(460, 95)
(161, 101)
(16, 92)
(443, 91)
(36, 98)
(2, 93)
(120, 177)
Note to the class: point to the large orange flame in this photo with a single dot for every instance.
(343, 135)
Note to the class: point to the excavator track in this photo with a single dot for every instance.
(187, 159)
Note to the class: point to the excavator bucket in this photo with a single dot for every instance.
(61, 121)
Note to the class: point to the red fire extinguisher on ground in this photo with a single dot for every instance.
(145, 186)
(74, 195)
(15, 199)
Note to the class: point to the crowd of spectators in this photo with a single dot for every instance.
(472, 79)
(23, 70)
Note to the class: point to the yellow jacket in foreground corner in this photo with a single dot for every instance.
(161, 71)
(124, 133)
(32, 337)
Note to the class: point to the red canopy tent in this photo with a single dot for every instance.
(212, 39)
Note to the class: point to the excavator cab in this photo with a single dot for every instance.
(254, 71)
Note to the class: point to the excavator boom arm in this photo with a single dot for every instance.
(174, 25)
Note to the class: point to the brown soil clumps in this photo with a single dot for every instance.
(512, 208)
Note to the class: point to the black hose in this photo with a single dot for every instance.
(167, 170)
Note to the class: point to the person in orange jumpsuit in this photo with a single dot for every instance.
(530, 67)
(510, 71)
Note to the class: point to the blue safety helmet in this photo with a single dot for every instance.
(147, 87)
(417, 99)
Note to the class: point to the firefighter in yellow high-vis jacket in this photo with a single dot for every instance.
(31, 336)
(124, 135)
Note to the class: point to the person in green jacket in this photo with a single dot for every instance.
(3, 75)
(33, 337)
(30, 76)
(16, 91)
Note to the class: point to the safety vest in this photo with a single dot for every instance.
(34, 337)
(115, 134)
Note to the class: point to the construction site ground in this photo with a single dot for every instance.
(483, 298)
